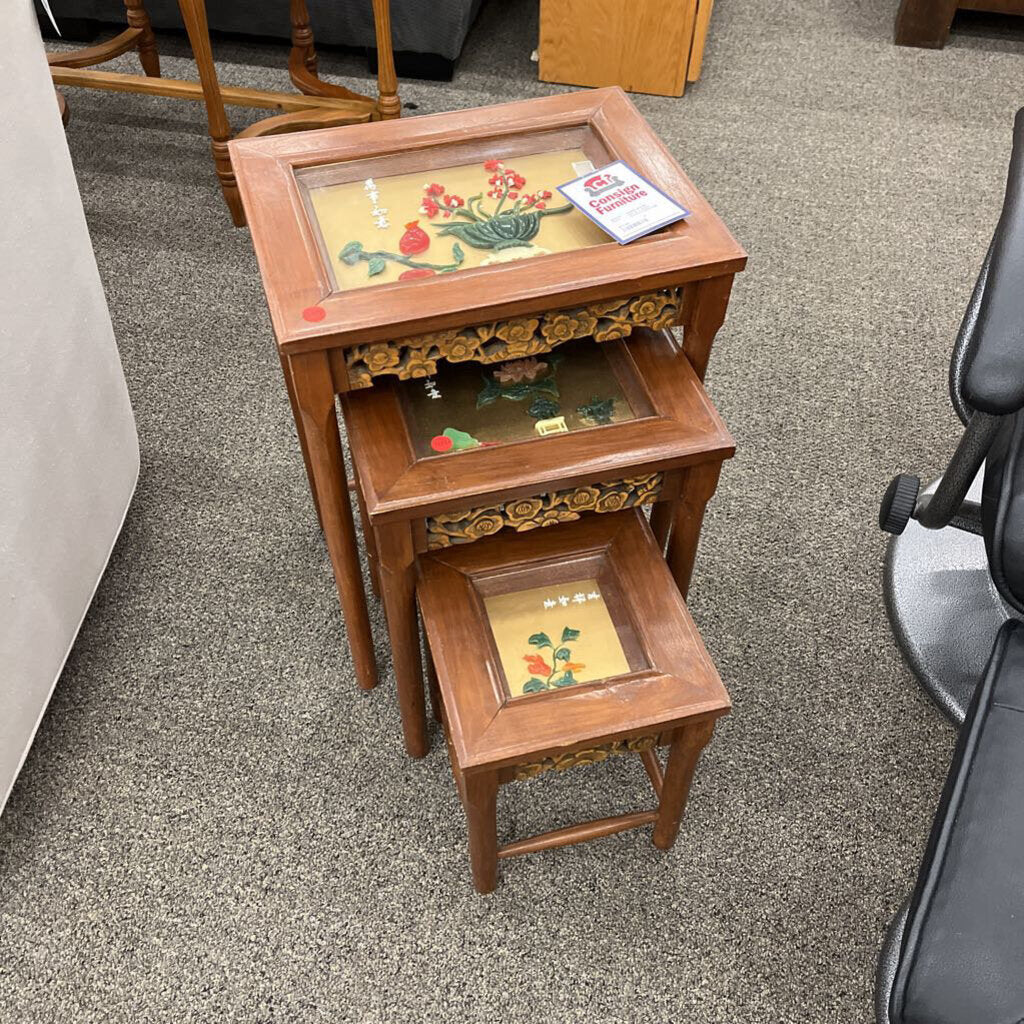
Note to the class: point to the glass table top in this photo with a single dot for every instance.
(555, 636)
(409, 226)
(470, 405)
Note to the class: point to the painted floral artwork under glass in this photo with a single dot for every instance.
(475, 405)
(556, 636)
(411, 226)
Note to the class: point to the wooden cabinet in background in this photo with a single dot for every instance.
(652, 46)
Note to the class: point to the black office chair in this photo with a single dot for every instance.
(954, 953)
(949, 591)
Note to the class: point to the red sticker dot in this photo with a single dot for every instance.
(314, 314)
(441, 443)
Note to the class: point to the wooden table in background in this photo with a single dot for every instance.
(926, 23)
(653, 46)
(318, 104)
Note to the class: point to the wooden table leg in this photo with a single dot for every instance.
(704, 306)
(301, 431)
(397, 561)
(314, 397)
(434, 688)
(369, 537)
(924, 23)
(689, 741)
(481, 802)
(698, 486)
(661, 522)
(149, 58)
(193, 13)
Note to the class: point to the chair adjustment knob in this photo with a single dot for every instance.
(899, 503)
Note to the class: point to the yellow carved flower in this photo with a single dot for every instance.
(459, 349)
(521, 511)
(381, 356)
(359, 377)
(484, 525)
(645, 308)
(567, 326)
(436, 339)
(549, 517)
(517, 331)
(418, 364)
(610, 330)
(582, 499)
(612, 501)
(525, 347)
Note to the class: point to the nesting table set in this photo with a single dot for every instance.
(514, 401)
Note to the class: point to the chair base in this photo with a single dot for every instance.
(888, 961)
(944, 609)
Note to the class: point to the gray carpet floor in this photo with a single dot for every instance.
(214, 824)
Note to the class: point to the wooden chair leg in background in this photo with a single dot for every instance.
(682, 763)
(193, 13)
(62, 107)
(149, 58)
(302, 62)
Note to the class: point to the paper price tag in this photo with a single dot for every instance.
(622, 202)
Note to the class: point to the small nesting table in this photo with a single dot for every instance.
(387, 249)
(562, 650)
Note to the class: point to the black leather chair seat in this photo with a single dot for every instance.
(962, 955)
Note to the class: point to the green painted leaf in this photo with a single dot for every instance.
(491, 393)
(460, 439)
(534, 686)
(350, 254)
(567, 680)
(457, 254)
(562, 654)
(569, 635)
(377, 266)
(599, 410)
(540, 640)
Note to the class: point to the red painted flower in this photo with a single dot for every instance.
(454, 201)
(440, 443)
(409, 275)
(545, 194)
(540, 206)
(536, 664)
(492, 165)
(434, 190)
(429, 207)
(513, 195)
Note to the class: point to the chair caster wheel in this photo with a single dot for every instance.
(899, 503)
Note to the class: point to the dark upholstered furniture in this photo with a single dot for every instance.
(426, 27)
(949, 591)
(960, 959)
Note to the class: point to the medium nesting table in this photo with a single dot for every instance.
(391, 250)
